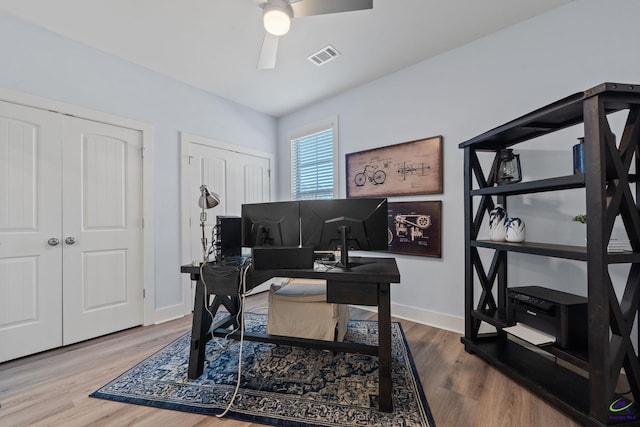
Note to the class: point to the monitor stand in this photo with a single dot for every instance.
(344, 250)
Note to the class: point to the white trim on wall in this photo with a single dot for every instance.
(149, 313)
(424, 317)
(186, 137)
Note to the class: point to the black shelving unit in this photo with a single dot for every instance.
(609, 193)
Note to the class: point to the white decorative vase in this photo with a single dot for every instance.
(514, 230)
(497, 224)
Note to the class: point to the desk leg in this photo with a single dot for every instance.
(384, 347)
(199, 331)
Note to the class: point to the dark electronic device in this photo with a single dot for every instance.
(228, 242)
(273, 258)
(557, 313)
(359, 224)
(324, 256)
(271, 224)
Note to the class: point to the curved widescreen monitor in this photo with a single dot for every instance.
(345, 224)
(271, 224)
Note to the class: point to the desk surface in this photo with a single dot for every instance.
(365, 269)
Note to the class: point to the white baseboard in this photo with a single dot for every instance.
(430, 318)
(424, 317)
(427, 317)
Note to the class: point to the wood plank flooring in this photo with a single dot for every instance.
(52, 388)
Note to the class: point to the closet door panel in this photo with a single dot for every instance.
(102, 223)
(208, 166)
(30, 227)
(255, 179)
(237, 178)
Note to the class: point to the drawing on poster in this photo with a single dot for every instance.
(415, 228)
(408, 168)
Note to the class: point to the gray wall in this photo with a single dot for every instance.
(458, 95)
(41, 63)
(472, 89)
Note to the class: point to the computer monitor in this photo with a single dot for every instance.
(359, 224)
(271, 224)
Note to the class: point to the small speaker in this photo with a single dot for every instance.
(276, 257)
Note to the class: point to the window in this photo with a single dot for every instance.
(313, 163)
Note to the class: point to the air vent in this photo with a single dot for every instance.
(324, 55)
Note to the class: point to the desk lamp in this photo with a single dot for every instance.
(207, 200)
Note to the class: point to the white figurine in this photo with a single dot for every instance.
(497, 223)
(514, 230)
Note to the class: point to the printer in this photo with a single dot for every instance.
(556, 313)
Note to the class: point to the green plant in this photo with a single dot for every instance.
(580, 218)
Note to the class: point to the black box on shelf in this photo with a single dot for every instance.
(276, 257)
(556, 313)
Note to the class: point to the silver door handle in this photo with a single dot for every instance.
(70, 240)
(53, 241)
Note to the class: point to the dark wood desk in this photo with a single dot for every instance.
(366, 283)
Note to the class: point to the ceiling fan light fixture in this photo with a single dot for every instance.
(277, 18)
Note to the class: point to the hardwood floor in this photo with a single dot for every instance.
(52, 388)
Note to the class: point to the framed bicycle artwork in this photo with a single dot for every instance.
(408, 168)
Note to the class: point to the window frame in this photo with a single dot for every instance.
(319, 126)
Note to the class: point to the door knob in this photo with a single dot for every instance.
(70, 240)
(53, 241)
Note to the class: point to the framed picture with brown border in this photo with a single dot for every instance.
(408, 168)
(415, 228)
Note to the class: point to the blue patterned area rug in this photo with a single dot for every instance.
(281, 385)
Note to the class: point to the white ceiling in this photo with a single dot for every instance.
(214, 44)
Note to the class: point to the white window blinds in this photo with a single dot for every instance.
(312, 166)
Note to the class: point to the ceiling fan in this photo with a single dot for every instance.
(277, 16)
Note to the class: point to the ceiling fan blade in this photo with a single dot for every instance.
(321, 7)
(269, 52)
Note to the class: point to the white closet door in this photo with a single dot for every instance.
(255, 179)
(236, 177)
(102, 226)
(30, 215)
